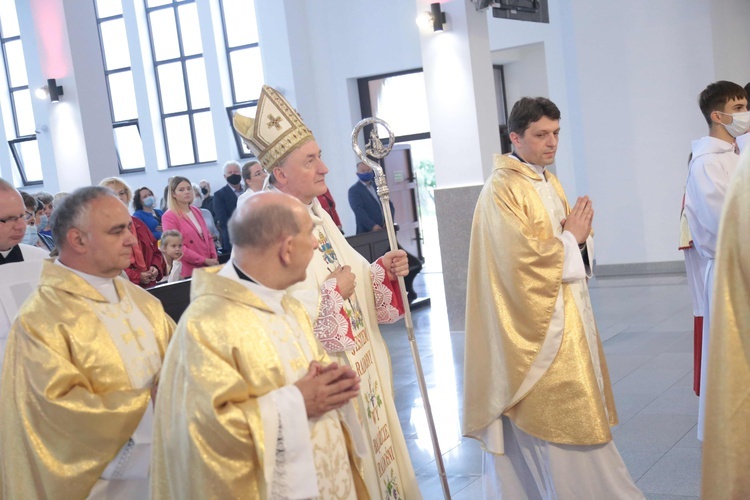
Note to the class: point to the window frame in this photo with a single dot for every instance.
(236, 105)
(11, 91)
(190, 112)
(19, 159)
(231, 110)
(365, 105)
(228, 52)
(107, 73)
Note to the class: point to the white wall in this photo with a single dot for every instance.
(350, 40)
(729, 19)
(525, 71)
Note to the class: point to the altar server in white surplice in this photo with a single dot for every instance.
(82, 362)
(715, 159)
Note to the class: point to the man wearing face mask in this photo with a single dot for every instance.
(13, 255)
(363, 198)
(365, 203)
(225, 201)
(47, 201)
(35, 219)
(41, 220)
(714, 161)
(208, 198)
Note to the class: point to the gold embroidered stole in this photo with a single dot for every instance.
(132, 335)
(371, 409)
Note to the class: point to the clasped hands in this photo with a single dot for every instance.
(149, 276)
(579, 220)
(326, 388)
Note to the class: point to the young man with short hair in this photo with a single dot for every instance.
(714, 161)
(537, 393)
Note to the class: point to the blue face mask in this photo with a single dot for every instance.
(149, 201)
(30, 237)
(43, 221)
(368, 177)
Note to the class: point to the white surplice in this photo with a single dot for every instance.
(711, 170)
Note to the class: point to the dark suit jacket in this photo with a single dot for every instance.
(366, 208)
(208, 204)
(225, 201)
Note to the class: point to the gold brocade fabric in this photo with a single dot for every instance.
(209, 436)
(514, 278)
(67, 405)
(726, 445)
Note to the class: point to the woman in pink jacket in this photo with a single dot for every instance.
(198, 246)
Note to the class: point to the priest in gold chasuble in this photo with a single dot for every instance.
(537, 393)
(250, 405)
(726, 444)
(346, 295)
(82, 364)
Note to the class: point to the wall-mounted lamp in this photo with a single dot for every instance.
(434, 19)
(51, 90)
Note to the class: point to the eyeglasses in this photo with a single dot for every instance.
(15, 218)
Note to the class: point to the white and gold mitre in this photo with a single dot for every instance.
(276, 131)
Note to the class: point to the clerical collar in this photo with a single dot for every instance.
(12, 255)
(105, 286)
(539, 170)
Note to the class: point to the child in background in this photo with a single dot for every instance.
(171, 247)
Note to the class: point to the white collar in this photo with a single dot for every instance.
(272, 298)
(105, 286)
(539, 170)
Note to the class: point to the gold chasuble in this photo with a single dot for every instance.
(220, 432)
(726, 447)
(76, 383)
(514, 289)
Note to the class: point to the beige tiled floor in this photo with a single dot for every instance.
(646, 325)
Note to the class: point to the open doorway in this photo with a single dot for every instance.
(400, 100)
